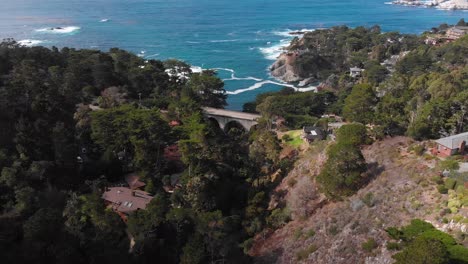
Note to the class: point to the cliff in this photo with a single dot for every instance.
(320, 53)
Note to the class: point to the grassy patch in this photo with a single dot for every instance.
(294, 138)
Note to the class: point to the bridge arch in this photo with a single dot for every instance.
(225, 117)
(234, 124)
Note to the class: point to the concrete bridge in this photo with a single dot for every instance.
(227, 118)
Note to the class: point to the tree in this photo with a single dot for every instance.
(136, 136)
(342, 174)
(355, 134)
(359, 105)
(423, 251)
(208, 89)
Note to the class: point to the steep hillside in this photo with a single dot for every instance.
(401, 189)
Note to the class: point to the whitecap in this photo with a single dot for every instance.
(30, 42)
(192, 42)
(104, 20)
(287, 32)
(59, 30)
(272, 52)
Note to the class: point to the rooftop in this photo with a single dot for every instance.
(133, 181)
(126, 200)
(454, 141)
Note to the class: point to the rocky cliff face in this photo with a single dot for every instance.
(324, 232)
(284, 68)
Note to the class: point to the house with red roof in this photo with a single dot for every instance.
(125, 201)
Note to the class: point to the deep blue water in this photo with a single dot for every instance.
(241, 36)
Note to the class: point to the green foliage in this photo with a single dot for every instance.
(450, 183)
(368, 199)
(359, 105)
(369, 245)
(449, 164)
(393, 246)
(135, 136)
(298, 108)
(342, 174)
(422, 243)
(278, 217)
(423, 250)
(355, 134)
(442, 189)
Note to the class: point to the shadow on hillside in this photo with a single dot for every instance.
(271, 257)
(374, 170)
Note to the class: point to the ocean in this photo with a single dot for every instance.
(239, 38)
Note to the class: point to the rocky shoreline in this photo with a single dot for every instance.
(440, 4)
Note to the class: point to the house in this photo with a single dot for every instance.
(125, 201)
(133, 181)
(456, 32)
(355, 72)
(431, 41)
(311, 134)
(452, 145)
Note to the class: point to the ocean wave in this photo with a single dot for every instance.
(104, 20)
(262, 83)
(234, 78)
(59, 30)
(287, 32)
(272, 52)
(152, 55)
(224, 40)
(30, 42)
(192, 42)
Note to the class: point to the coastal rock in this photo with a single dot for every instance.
(306, 82)
(284, 68)
(440, 4)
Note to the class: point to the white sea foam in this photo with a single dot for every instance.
(234, 78)
(272, 52)
(287, 32)
(104, 20)
(192, 42)
(59, 30)
(260, 84)
(152, 55)
(30, 42)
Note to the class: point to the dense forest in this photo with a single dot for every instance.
(73, 122)
(76, 121)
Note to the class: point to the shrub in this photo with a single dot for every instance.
(333, 230)
(369, 245)
(368, 199)
(286, 138)
(297, 234)
(393, 246)
(450, 183)
(310, 233)
(278, 217)
(292, 182)
(449, 164)
(419, 150)
(437, 179)
(442, 189)
(304, 253)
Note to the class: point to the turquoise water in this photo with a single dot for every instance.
(241, 37)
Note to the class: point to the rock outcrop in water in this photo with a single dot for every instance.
(440, 4)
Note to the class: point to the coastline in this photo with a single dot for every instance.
(438, 4)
